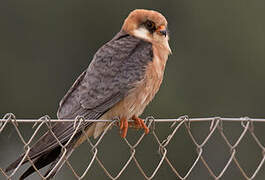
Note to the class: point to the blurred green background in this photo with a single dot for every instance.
(216, 69)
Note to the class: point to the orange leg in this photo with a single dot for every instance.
(139, 123)
(123, 127)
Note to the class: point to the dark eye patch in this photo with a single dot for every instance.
(150, 25)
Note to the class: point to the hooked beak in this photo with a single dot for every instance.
(162, 30)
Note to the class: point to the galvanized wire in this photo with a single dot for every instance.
(215, 125)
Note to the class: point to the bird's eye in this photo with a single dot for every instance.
(150, 26)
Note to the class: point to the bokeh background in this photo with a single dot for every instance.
(216, 69)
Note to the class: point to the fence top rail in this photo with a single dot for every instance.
(155, 120)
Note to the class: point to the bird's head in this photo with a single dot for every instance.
(148, 25)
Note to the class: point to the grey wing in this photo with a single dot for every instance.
(114, 70)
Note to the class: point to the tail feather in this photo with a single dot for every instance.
(42, 155)
(15, 164)
(42, 161)
(57, 168)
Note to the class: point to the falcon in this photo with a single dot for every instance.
(122, 78)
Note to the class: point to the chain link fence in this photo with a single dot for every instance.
(235, 134)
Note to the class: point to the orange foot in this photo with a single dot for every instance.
(138, 123)
(123, 127)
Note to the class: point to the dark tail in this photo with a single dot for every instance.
(57, 168)
(52, 157)
(15, 164)
(42, 161)
(47, 150)
(39, 162)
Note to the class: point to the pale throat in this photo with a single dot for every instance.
(142, 33)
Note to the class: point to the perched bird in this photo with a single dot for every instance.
(123, 77)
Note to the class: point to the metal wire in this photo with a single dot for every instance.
(215, 125)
